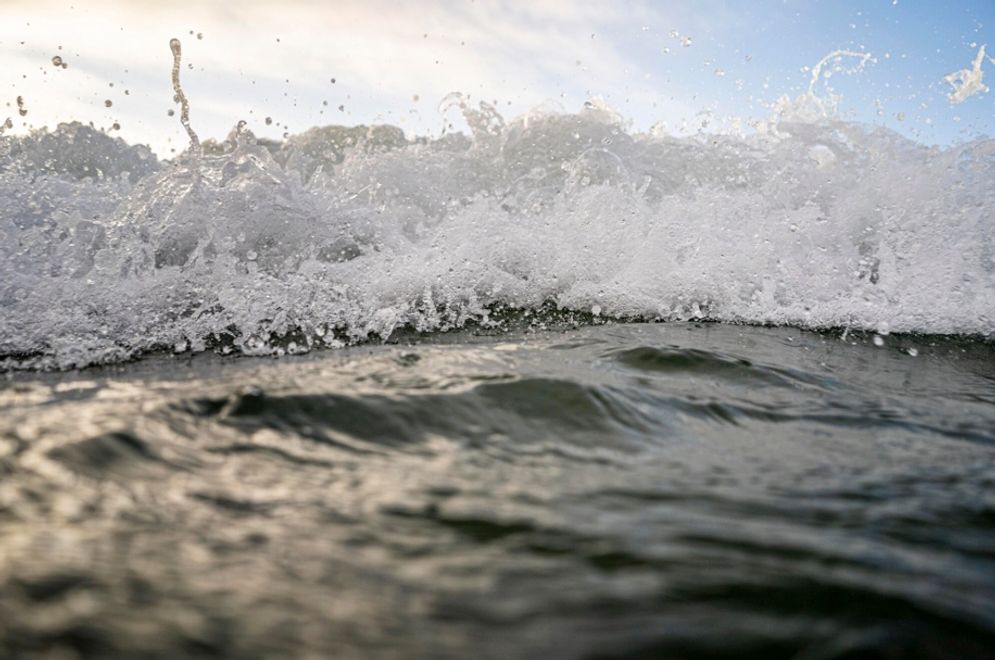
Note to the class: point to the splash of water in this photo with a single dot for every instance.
(968, 82)
(344, 234)
(177, 50)
(813, 106)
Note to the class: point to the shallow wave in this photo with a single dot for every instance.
(629, 490)
(339, 235)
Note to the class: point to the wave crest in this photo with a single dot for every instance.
(343, 234)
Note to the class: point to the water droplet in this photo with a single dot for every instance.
(269, 120)
(251, 255)
(878, 340)
(596, 310)
(179, 97)
(57, 61)
(108, 103)
(913, 351)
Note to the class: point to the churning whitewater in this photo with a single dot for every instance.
(343, 234)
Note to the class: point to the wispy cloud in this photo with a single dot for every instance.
(394, 61)
(258, 59)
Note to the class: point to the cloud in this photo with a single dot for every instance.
(260, 59)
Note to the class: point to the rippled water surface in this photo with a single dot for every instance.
(675, 490)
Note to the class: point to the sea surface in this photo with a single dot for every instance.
(677, 490)
(549, 387)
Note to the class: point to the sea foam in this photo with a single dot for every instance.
(344, 234)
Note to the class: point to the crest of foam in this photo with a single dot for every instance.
(347, 233)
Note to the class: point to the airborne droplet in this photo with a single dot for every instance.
(179, 97)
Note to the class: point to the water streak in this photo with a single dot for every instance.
(180, 97)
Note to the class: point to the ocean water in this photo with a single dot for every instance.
(554, 387)
(619, 490)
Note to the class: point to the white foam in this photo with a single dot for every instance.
(815, 223)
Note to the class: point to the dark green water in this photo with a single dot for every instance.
(669, 490)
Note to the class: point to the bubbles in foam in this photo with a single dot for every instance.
(363, 231)
(347, 233)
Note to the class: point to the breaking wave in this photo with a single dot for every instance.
(344, 234)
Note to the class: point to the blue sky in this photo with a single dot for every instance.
(681, 63)
(914, 45)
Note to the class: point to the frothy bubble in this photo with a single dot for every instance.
(345, 234)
